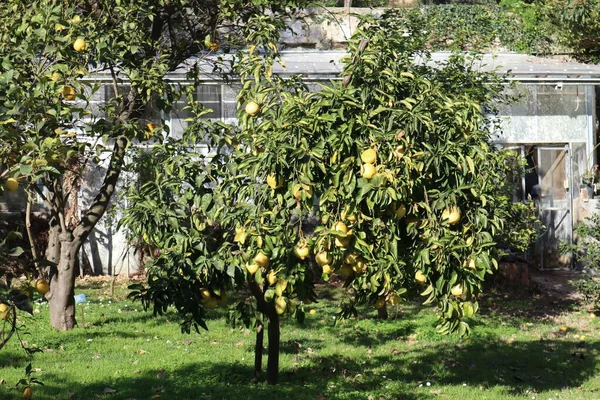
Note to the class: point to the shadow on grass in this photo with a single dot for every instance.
(516, 367)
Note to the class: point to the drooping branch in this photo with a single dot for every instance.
(100, 203)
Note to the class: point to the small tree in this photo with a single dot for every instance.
(385, 177)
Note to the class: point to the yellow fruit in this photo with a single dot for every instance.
(291, 306)
(346, 271)
(343, 242)
(213, 46)
(340, 227)
(280, 287)
(280, 305)
(451, 215)
(27, 393)
(210, 303)
(369, 156)
(327, 269)
(272, 277)
(68, 93)
(150, 127)
(420, 277)
(42, 286)
(301, 251)
(4, 311)
(394, 299)
(312, 312)
(351, 258)
(472, 265)
(359, 267)
(205, 293)
(458, 290)
(367, 171)
(79, 45)
(401, 211)
(252, 108)
(564, 328)
(399, 151)
(323, 258)
(261, 260)
(379, 303)
(252, 268)
(12, 184)
(59, 27)
(274, 182)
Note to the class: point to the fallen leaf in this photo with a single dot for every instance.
(161, 374)
(140, 351)
(109, 390)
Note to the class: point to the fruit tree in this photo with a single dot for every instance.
(51, 125)
(385, 177)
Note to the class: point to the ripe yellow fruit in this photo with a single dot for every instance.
(401, 211)
(27, 393)
(274, 182)
(351, 258)
(42, 286)
(369, 156)
(252, 108)
(323, 258)
(301, 251)
(327, 269)
(213, 46)
(343, 242)
(367, 171)
(312, 312)
(399, 151)
(68, 93)
(79, 45)
(458, 290)
(420, 277)
(262, 260)
(280, 305)
(472, 265)
(280, 287)
(451, 215)
(150, 127)
(4, 311)
(272, 277)
(346, 271)
(12, 184)
(251, 268)
(340, 227)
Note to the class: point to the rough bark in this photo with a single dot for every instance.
(64, 245)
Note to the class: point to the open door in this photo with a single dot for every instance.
(554, 204)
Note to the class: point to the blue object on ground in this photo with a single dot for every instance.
(80, 298)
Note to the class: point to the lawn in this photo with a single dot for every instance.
(517, 350)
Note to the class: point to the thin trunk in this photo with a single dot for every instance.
(347, 3)
(34, 252)
(273, 355)
(382, 312)
(258, 352)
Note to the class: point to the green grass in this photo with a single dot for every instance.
(118, 351)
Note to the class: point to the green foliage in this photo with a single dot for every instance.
(481, 27)
(431, 138)
(589, 287)
(576, 24)
(586, 250)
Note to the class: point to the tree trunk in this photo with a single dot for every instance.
(273, 356)
(61, 299)
(258, 352)
(382, 312)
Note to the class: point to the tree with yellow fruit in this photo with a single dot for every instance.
(385, 178)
